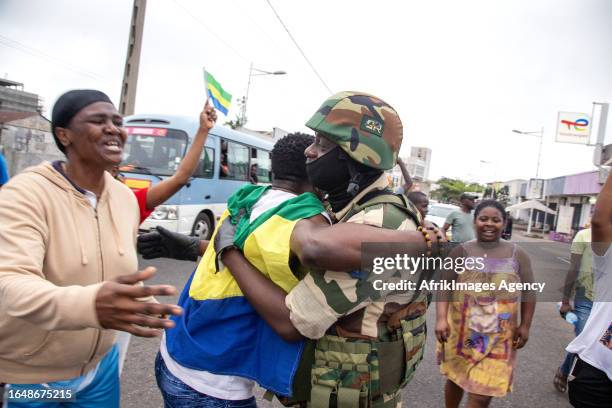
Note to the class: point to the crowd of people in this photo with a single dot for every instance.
(279, 297)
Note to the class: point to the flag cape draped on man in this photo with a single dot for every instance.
(220, 331)
(220, 98)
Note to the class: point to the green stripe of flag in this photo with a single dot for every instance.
(212, 82)
(305, 205)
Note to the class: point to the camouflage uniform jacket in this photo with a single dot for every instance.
(325, 299)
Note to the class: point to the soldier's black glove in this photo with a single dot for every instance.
(166, 244)
(224, 239)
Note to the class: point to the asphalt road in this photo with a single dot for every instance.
(533, 376)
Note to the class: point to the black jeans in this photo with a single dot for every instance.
(591, 387)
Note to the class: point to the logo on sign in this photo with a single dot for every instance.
(578, 125)
(573, 127)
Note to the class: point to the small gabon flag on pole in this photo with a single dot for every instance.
(220, 98)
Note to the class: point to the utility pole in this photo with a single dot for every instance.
(539, 134)
(132, 59)
(259, 72)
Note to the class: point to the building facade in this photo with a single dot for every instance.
(418, 163)
(26, 140)
(14, 98)
(572, 197)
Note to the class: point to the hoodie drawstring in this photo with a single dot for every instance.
(118, 241)
(73, 211)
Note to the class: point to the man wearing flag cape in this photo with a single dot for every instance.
(251, 323)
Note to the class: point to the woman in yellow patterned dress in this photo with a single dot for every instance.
(476, 327)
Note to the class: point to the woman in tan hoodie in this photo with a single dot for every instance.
(68, 264)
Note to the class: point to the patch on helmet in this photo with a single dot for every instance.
(372, 125)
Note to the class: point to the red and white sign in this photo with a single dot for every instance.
(146, 131)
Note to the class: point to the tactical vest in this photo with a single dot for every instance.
(336, 372)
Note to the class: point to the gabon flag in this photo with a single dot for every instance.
(221, 99)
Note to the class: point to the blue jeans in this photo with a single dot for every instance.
(101, 392)
(177, 394)
(582, 308)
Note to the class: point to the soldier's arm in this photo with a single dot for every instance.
(602, 219)
(338, 248)
(267, 298)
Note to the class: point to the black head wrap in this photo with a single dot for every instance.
(69, 104)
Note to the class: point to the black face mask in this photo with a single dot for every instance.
(329, 172)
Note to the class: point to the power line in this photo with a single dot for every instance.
(298, 47)
(16, 45)
(243, 11)
(212, 32)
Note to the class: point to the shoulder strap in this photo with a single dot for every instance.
(385, 196)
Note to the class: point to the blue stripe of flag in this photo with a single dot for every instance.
(216, 103)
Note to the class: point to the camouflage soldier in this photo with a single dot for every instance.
(357, 137)
(367, 346)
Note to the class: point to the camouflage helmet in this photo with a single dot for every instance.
(364, 126)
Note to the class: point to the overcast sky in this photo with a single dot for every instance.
(461, 74)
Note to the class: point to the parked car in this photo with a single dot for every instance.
(437, 214)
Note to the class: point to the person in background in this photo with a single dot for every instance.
(590, 379)
(224, 170)
(151, 197)
(461, 220)
(420, 201)
(580, 275)
(478, 331)
(253, 179)
(68, 263)
(408, 183)
(4, 177)
(507, 234)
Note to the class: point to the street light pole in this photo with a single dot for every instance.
(539, 134)
(246, 95)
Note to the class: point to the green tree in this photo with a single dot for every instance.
(450, 189)
(234, 124)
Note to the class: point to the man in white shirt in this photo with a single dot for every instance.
(590, 380)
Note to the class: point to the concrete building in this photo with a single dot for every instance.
(572, 197)
(26, 140)
(418, 163)
(14, 98)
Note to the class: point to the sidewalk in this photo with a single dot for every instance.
(521, 236)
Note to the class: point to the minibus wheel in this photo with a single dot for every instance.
(202, 227)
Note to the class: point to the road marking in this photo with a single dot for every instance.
(563, 259)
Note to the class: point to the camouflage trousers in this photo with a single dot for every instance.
(347, 375)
